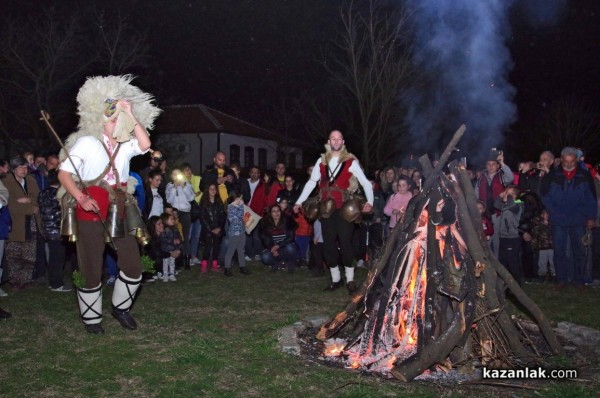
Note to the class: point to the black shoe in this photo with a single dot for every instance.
(125, 319)
(334, 286)
(4, 314)
(351, 287)
(244, 271)
(228, 272)
(94, 329)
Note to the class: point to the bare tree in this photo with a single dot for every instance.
(122, 46)
(45, 57)
(570, 122)
(38, 60)
(374, 64)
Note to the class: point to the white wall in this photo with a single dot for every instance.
(199, 149)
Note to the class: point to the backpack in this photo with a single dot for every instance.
(5, 223)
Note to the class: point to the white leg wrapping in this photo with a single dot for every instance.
(335, 274)
(124, 292)
(349, 274)
(90, 305)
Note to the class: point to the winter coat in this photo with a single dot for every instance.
(50, 213)
(261, 200)
(396, 202)
(212, 216)
(281, 236)
(510, 217)
(21, 212)
(569, 203)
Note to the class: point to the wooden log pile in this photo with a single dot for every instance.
(436, 296)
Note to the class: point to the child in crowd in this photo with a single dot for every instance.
(317, 262)
(212, 219)
(170, 242)
(236, 233)
(303, 234)
(396, 204)
(541, 242)
(511, 210)
(486, 222)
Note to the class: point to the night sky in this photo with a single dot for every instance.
(244, 57)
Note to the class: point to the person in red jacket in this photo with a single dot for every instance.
(492, 182)
(265, 194)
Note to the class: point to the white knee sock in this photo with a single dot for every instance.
(335, 274)
(349, 274)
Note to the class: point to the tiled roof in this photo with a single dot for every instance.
(198, 118)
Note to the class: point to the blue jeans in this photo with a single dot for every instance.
(287, 253)
(569, 265)
(253, 244)
(302, 242)
(112, 269)
(194, 237)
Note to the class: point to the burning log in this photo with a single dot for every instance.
(436, 294)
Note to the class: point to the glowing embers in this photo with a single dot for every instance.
(334, 347)
(391, 322)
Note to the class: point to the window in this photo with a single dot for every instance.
(262, 158)
(280, 156)
(292, 160)
(248, 156)
(234, 154)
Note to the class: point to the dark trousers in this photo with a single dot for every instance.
(509, 255)
(253, 244)
(40, 257)
(337, 231)
(569, 259)
(186, 223)
(56, 262)
(90, 254)
(212, 243)
(317, 262)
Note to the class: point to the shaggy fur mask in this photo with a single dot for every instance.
(91, 105)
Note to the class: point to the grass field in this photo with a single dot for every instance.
(211, 336)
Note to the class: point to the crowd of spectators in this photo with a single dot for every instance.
(540, 220)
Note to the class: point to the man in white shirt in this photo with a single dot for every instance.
(337, 172)
(110, 133)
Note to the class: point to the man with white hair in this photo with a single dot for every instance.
(571, 205)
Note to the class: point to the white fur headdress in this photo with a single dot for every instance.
(91, 104)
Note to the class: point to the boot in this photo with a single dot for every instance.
(90, 308)
(165, 275)
(172, 273)
(186, 262)
(204, 266)
(215, 266)
(122, 300)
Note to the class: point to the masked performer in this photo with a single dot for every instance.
(113, 118)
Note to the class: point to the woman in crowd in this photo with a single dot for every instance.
(213, 222)
(277, 235)
(265, 194)
(20, 251)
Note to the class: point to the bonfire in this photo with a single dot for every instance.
(436, 297)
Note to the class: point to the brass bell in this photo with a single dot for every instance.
(68, 225)
(327, 208)
(145, 237)
(116, 227)
(351, 210)
(311, 211)
(135, 224)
